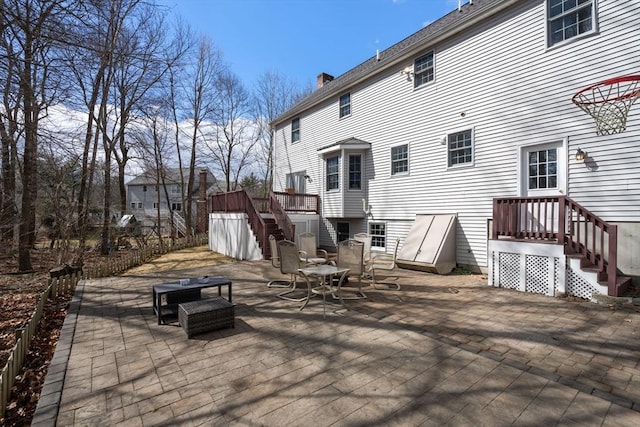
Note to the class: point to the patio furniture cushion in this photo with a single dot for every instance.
(206, 315)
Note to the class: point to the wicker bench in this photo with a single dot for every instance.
(205, 315)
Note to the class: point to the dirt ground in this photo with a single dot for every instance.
(18, 297)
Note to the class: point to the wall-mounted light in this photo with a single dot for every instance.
(308, 178)
(580, 155)
(408, 71)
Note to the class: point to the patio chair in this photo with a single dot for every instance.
(290, 262)
(275, 262)
(311, 254)
(365, 238)
(383, 262)
(350, 254)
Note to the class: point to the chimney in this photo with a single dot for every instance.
(324, 78)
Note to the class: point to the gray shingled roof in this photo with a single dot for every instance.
(172, 177)
(444, 27)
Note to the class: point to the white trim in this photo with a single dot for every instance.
(472, 163)
(562, 171)
(402, 174)
(594, 27)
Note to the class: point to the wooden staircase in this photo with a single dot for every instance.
(590, 243)
(239, 201)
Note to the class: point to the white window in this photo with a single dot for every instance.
(176, 206)
(175, 189)
(295, 130)
(423, 70)
(378, 231)
(400, 159)
(155, 205)
(355, 172)
(133, 205)
(460, 148)
(333, 173)
(139, 205)
(345, 105)
(569, 18)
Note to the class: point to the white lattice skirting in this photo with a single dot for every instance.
(538, 268)
(527, 267)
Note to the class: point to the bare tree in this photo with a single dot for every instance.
(153, 139)
(274, 94)
(30, 31)
(230, 144)
(201, 98)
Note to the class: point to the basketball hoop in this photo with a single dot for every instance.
(608, 102)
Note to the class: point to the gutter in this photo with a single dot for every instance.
(483, 12)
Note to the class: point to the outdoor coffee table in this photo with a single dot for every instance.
(184, 290)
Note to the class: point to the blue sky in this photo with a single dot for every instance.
(302, 38)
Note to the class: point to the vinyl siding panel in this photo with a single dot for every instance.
(514, 92)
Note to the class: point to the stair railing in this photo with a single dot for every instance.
(282, 219)
(561, 220)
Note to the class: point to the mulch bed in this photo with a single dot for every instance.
(18, 297)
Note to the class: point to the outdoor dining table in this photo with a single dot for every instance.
(325, 274)
(186, 288)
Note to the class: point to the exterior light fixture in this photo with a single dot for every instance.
(580, 155)
(408, 71)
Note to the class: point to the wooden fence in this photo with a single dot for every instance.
(67, 284)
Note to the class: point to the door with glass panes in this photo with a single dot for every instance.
(543, 174)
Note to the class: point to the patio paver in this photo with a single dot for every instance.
(442, 350)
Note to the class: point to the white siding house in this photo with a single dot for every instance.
(145, 197)
(452, 117)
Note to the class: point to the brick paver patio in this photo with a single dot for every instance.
(443, 350)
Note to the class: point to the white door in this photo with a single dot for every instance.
(544, 173)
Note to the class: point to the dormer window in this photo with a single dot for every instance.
(345, 105)
(423, 70)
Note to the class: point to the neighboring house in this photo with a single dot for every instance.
(144, 196)
(474, 107)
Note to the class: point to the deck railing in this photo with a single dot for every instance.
(239, 201)
(298, 202)
(563, 221)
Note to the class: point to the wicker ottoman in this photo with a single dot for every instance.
(205, 315)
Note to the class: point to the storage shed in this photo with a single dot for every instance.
(430, 245)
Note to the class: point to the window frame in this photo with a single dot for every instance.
(335, 173)
(543, 170)
(394, 162)
(471, 147)
(590, 5)
(350, 172)
(345, 109)
(295, 130)
(176, 206)
(376, 237)
(429, 71)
